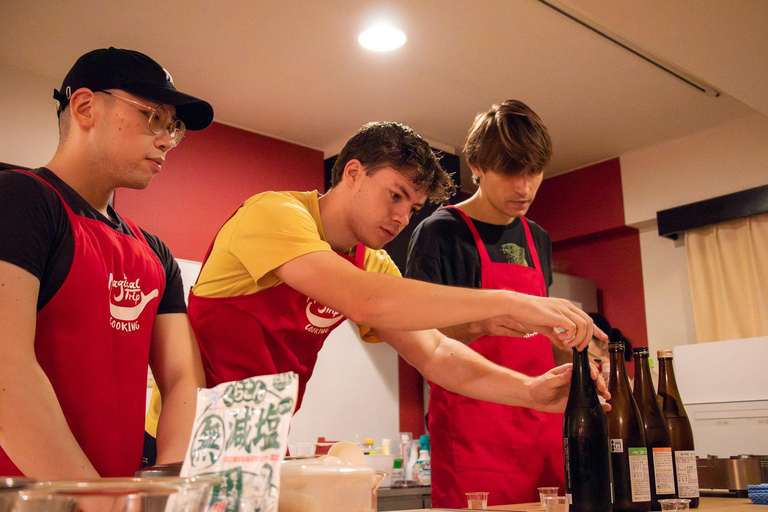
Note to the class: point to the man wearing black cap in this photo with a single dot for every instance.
(87, 298)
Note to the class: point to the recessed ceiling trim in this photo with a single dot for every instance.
(673, 70)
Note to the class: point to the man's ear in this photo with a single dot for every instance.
(476, 171)
(81, 105)
(352, 171)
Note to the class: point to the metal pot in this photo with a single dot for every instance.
(171, 469)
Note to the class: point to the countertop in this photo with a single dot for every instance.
(706, 503)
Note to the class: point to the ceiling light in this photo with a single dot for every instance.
(382, 38)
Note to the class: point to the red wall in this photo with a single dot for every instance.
(583, 211)
(208, 176)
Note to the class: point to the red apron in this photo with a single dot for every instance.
(92, 341)
(271, 331)
(483, 446)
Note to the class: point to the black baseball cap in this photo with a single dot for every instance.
(133, 72)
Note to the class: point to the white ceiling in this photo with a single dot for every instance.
(293, 69)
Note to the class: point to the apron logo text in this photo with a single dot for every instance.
(122, 292)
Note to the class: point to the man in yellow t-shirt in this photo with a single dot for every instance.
(288, 267)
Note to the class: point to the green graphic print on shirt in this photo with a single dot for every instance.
(514, 254)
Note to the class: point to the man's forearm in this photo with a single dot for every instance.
(174, 427)
(387, 302)
(176, 365)
(457, 368)
(34, 432)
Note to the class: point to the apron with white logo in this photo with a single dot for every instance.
(271, 331)
(482, 446)
(92, 341)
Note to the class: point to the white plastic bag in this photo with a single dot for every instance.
(240, 436)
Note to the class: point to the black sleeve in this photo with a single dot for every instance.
(423, 261)
(173, 297)
(443, 251)
(31, 222)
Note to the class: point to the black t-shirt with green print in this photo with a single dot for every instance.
(442, 249)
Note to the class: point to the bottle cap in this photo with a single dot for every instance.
(369, 440)
(385, 442)
(664, 354)
(398, 463)
(640, 350)
(424, 442)
(616, 345)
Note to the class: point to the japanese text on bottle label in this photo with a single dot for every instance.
(664, 471)
(638, 474)
(687, 474)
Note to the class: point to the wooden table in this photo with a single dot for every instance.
(706, 503)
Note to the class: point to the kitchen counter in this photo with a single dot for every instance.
(399, 498)
(706, 503)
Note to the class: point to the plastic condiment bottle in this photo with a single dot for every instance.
(385, 446)
(398, 475)
(423, 469)
(413, 456)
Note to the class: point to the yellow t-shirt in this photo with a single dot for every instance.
(270, 229)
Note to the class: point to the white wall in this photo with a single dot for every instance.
(353, 394)
(725, 159)
(707, 164)
(29, 130)
(668, 310)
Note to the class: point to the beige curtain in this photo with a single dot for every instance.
(728, 276)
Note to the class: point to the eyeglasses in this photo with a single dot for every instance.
(160, 119)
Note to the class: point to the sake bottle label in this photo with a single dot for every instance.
(687, 474)
(639, 475)
(664, 470)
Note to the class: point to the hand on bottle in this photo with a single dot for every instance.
(549, 391)
(557, 319)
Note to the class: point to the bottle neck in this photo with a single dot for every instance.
(642, 371)
(672, 404)
(582, 393)
(645, 396)
(619, 381)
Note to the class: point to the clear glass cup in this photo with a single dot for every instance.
(675, 504)
(477, 500)
(546, 491)
(9, 487)
(161, 494)
(556, 503)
